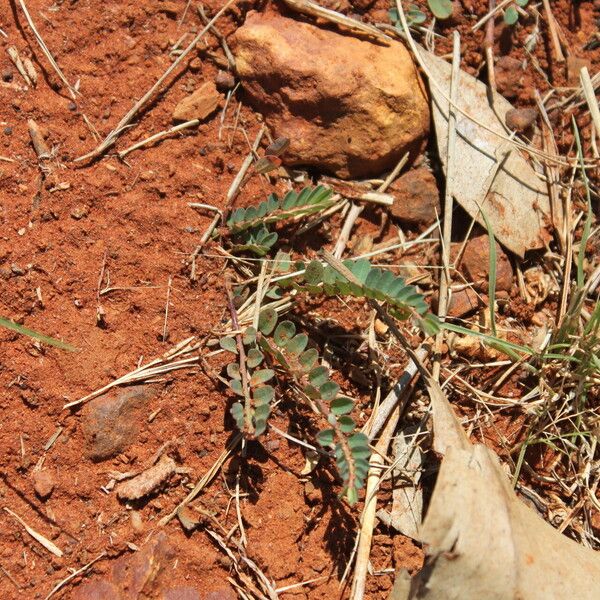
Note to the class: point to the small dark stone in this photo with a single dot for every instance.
(224, 81)
(72, 106)
(8, 130)
(7, 75)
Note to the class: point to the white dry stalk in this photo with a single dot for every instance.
(159, 136)
(356, 209)
(445, 278)
(38, 537)
(490, 15)
(14, 55)
(111, 138)
(370, 508)
(158, 366)
(46, 51)
(231, 193)
(206, 478)
(552, 26)
(72, 576)
(590, 96)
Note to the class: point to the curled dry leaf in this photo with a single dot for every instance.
(143, 484)
(488, 172)
(482, 541)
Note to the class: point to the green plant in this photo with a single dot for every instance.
(511, 14)
(414, 16)
(249, 226)
(280, 347)
(403, 301)
(8, 324)
(441, 9)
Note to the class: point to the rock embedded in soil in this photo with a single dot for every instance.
(43, 483)
(476, 264)
(200, 104)
(463, 302)
(521, 119)
(416, 198)
(111, 423)
(349, 106)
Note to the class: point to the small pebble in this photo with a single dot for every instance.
(224, 81)
(7, 75)
(521, 119)
(43, 483)
(8, 130)
(78, 212)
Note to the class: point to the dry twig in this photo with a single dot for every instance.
(111, 138)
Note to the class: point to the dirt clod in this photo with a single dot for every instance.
(416, 198)
(43, 483)
(224, 81)
(521, 119)
(476, 264)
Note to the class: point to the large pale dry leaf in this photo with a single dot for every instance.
(482, 541)
(488, 172)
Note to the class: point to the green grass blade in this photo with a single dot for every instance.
(508, 347)
(589, 216)
(8, 324)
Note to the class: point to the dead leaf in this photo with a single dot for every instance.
(482, 541)
(147, 481)
(489, 172)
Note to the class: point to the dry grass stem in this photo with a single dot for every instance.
(206, 479)
(111, 138)
(445, 277)
(370, 508)
(356, 209)
(219, 36)
(14, 55)
(159, 366)
(159, 136)
(38, 537)
(307, 7)
(553, 27)
(46, 51)
(73, 575)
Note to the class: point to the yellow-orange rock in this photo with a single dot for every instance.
(349, 106)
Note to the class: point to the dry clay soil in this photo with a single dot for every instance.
(131, 222)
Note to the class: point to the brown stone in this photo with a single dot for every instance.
(111, 423)
(349, 106)
(144, 574)
(43, 483)
(462, 302)
(224, 81)
(476, 264)
(521, 119)
(198, 105)
(416, 198)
